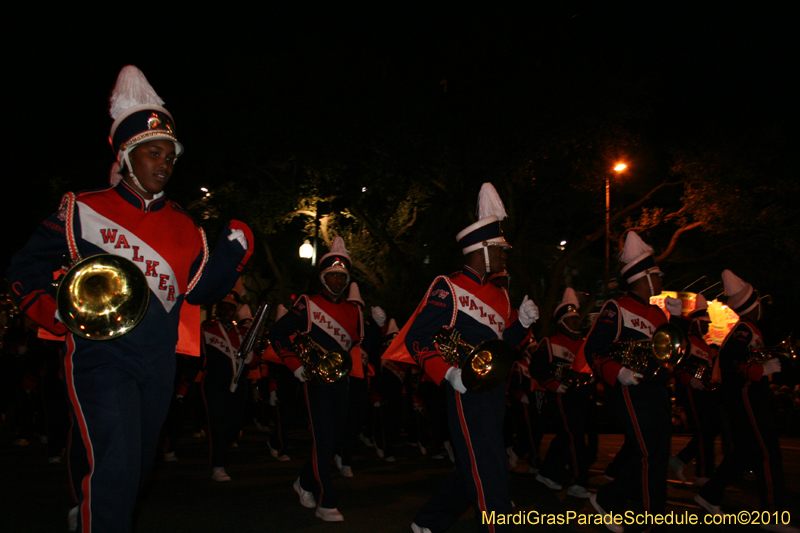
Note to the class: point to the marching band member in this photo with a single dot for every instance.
(119, 389)
(700, 403)
(746, 395)
(334, 324)
(222, 338)
(479, 310)
(642, 407)
(571, 406)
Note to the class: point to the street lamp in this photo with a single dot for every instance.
(306, 250)
(618, 168)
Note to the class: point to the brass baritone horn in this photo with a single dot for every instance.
(321, 367)
(571, 379)
(486, 365)
(647, 357)
(102, 297)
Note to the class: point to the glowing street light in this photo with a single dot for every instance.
(619, 167)
(306, 250)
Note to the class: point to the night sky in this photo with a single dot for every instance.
(241, 84)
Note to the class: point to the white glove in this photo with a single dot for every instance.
(454, 377)
(697, 384)
(238, 235)
(673, 306)
(273, 398)
(627, 376)
(528, 312)
(525, 400)
(561, 388)
(299, 374)
(771, 366)
(379, 316)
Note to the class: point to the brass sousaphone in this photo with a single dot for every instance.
(102, 297)
(486, 365)
(647, 357)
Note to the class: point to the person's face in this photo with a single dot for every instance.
(573, 323)
(152, 164)
(226, 312)
(497, 258)
(335, 283)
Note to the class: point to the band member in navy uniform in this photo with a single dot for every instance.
(698, 398)
(571, 405)
(334, 324)
(119, 390)
(746, 396)
(642, 407)
(468, 302)
(222, 338)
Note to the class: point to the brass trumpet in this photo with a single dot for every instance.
(102, 297)
(783, 350)
(702, 372)
(486, 365)
(571, 379)
(321, 367)
(665, 350)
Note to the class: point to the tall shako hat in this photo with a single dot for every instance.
(486, 231)
(700, 309)
(337, 260)
(741, 296)
(638, 258)
(139, 117)
(568, 307)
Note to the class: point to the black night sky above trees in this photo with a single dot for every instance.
(289, 110)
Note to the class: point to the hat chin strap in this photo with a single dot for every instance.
(486, 258)
(336, 294)
(126, 160)
(566, 327)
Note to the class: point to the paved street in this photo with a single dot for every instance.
(382, 497)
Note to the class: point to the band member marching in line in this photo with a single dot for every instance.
(222, 338)
(334, 324)
(642, 406)
(359, 388)
(567, 398)
(746, 396)
(697, 397)
(283, 394)
(479, 311)
(119, 389)
(527, 398)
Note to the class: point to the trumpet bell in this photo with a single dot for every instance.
(487, 365)
(102, 297)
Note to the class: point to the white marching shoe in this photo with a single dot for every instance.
(306, 498)
(329, 515)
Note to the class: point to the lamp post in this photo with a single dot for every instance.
(618, 168)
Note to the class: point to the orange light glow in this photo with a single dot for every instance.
(620, 167)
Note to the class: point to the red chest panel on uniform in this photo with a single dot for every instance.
(163, 243)
(486, 304)
(339, 320)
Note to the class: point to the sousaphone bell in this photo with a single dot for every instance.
(102, 297)
(486, 365)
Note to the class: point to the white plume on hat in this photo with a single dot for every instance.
(392, 327)
(354, 295)
(570, 297)
(490, 203)
(634, 248)
(700, 302)
(738, 291)
(280, 311)
(132, 89)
